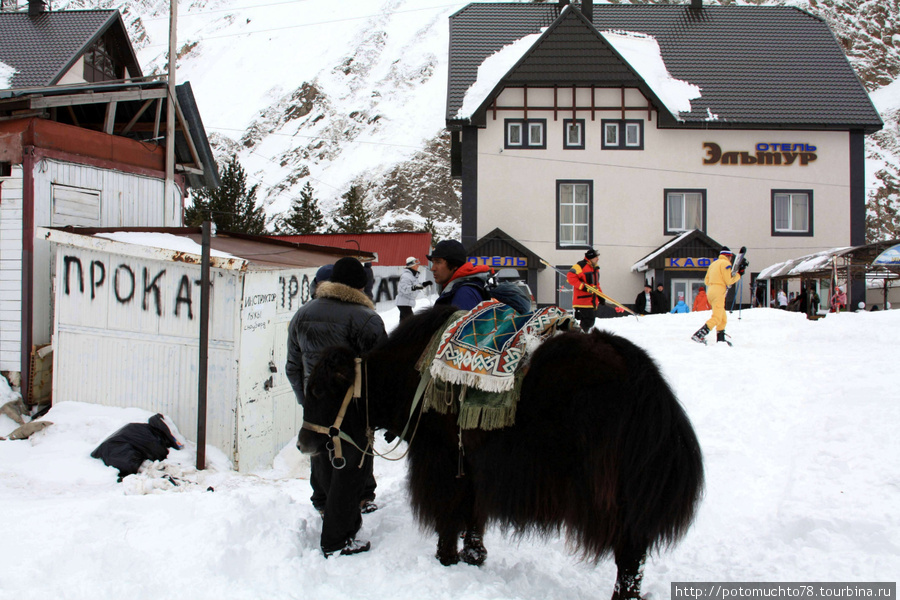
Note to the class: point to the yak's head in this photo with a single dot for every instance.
(328, 384)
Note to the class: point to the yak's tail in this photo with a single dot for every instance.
(658, 458)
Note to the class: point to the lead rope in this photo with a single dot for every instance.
(460, 470)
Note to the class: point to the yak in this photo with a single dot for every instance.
(600, 449)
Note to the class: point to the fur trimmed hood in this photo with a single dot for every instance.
(344, 293)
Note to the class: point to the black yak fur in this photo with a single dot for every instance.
(600, 449)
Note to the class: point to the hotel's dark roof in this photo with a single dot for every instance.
(757, 66)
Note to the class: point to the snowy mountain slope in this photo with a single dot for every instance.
(353, 92)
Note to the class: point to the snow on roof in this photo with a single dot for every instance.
(641, 265)
(804, 264)
(642, 53)
(492, 70)
(6, 75)
(166, 241)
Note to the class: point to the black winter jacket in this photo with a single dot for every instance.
(338, 316)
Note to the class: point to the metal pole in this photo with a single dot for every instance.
(202, 369)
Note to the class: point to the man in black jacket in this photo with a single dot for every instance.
(340, 315)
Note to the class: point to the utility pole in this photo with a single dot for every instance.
(170, 106)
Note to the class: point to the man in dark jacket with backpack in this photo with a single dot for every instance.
(340, 315)
(464, 285)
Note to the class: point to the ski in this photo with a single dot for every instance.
(736, 265)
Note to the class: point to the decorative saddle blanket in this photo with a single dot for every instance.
(477, 360)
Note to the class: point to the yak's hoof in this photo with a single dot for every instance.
(473, 552)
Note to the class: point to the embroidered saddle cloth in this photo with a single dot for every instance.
(477, 361)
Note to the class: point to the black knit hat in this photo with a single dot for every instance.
(591, 253)
(349, 271)
(726, 250)
(451, 251)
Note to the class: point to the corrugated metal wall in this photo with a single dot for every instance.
(126, 335)
(11, 270)
(126, 200)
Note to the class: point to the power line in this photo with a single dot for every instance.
(316, 24)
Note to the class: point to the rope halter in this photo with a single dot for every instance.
(334, 432)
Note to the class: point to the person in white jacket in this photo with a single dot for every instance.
(409, 287)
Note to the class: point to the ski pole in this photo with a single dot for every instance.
(594, 291)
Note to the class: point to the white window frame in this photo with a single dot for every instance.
(532, 134)
(629, 127)
(614, 127)
(578, 124)
(617, 134)
(779, 198)
(566, 227)
(681, 195)
(512, 126)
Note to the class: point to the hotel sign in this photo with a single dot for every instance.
(500, 261)
(766, 154)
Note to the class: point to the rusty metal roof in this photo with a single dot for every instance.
(392, 248)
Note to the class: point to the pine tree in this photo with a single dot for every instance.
(231, 206)
(431, 228)
(305, 216)
(353, 217)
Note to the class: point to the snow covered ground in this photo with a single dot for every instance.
(798, 423)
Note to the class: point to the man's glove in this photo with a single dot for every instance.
(427, 283)
(743, 266)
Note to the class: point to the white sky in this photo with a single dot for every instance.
(798, 425)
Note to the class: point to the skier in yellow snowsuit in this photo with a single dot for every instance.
(718, 279)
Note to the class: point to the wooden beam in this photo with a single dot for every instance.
(137, 116)
(573, 102)
(72, 114)
(109, 122)
(185, 128)
(95, 98)
(159, 106)
(187, 169)
(555, 103)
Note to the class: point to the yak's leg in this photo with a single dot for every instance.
(454, 522)
(473, 551)
(630, 564)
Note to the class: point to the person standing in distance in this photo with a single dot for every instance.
(463, 284)
(340, 315)
(718, 278)
(585, 273)
(408, 287)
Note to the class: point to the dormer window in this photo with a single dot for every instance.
(99, 64)
(526, 133)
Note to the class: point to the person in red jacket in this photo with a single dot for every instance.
(584, 273)
(701, 302)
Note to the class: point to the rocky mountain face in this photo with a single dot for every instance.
(322, 128)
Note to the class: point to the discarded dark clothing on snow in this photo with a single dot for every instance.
(131, 445)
